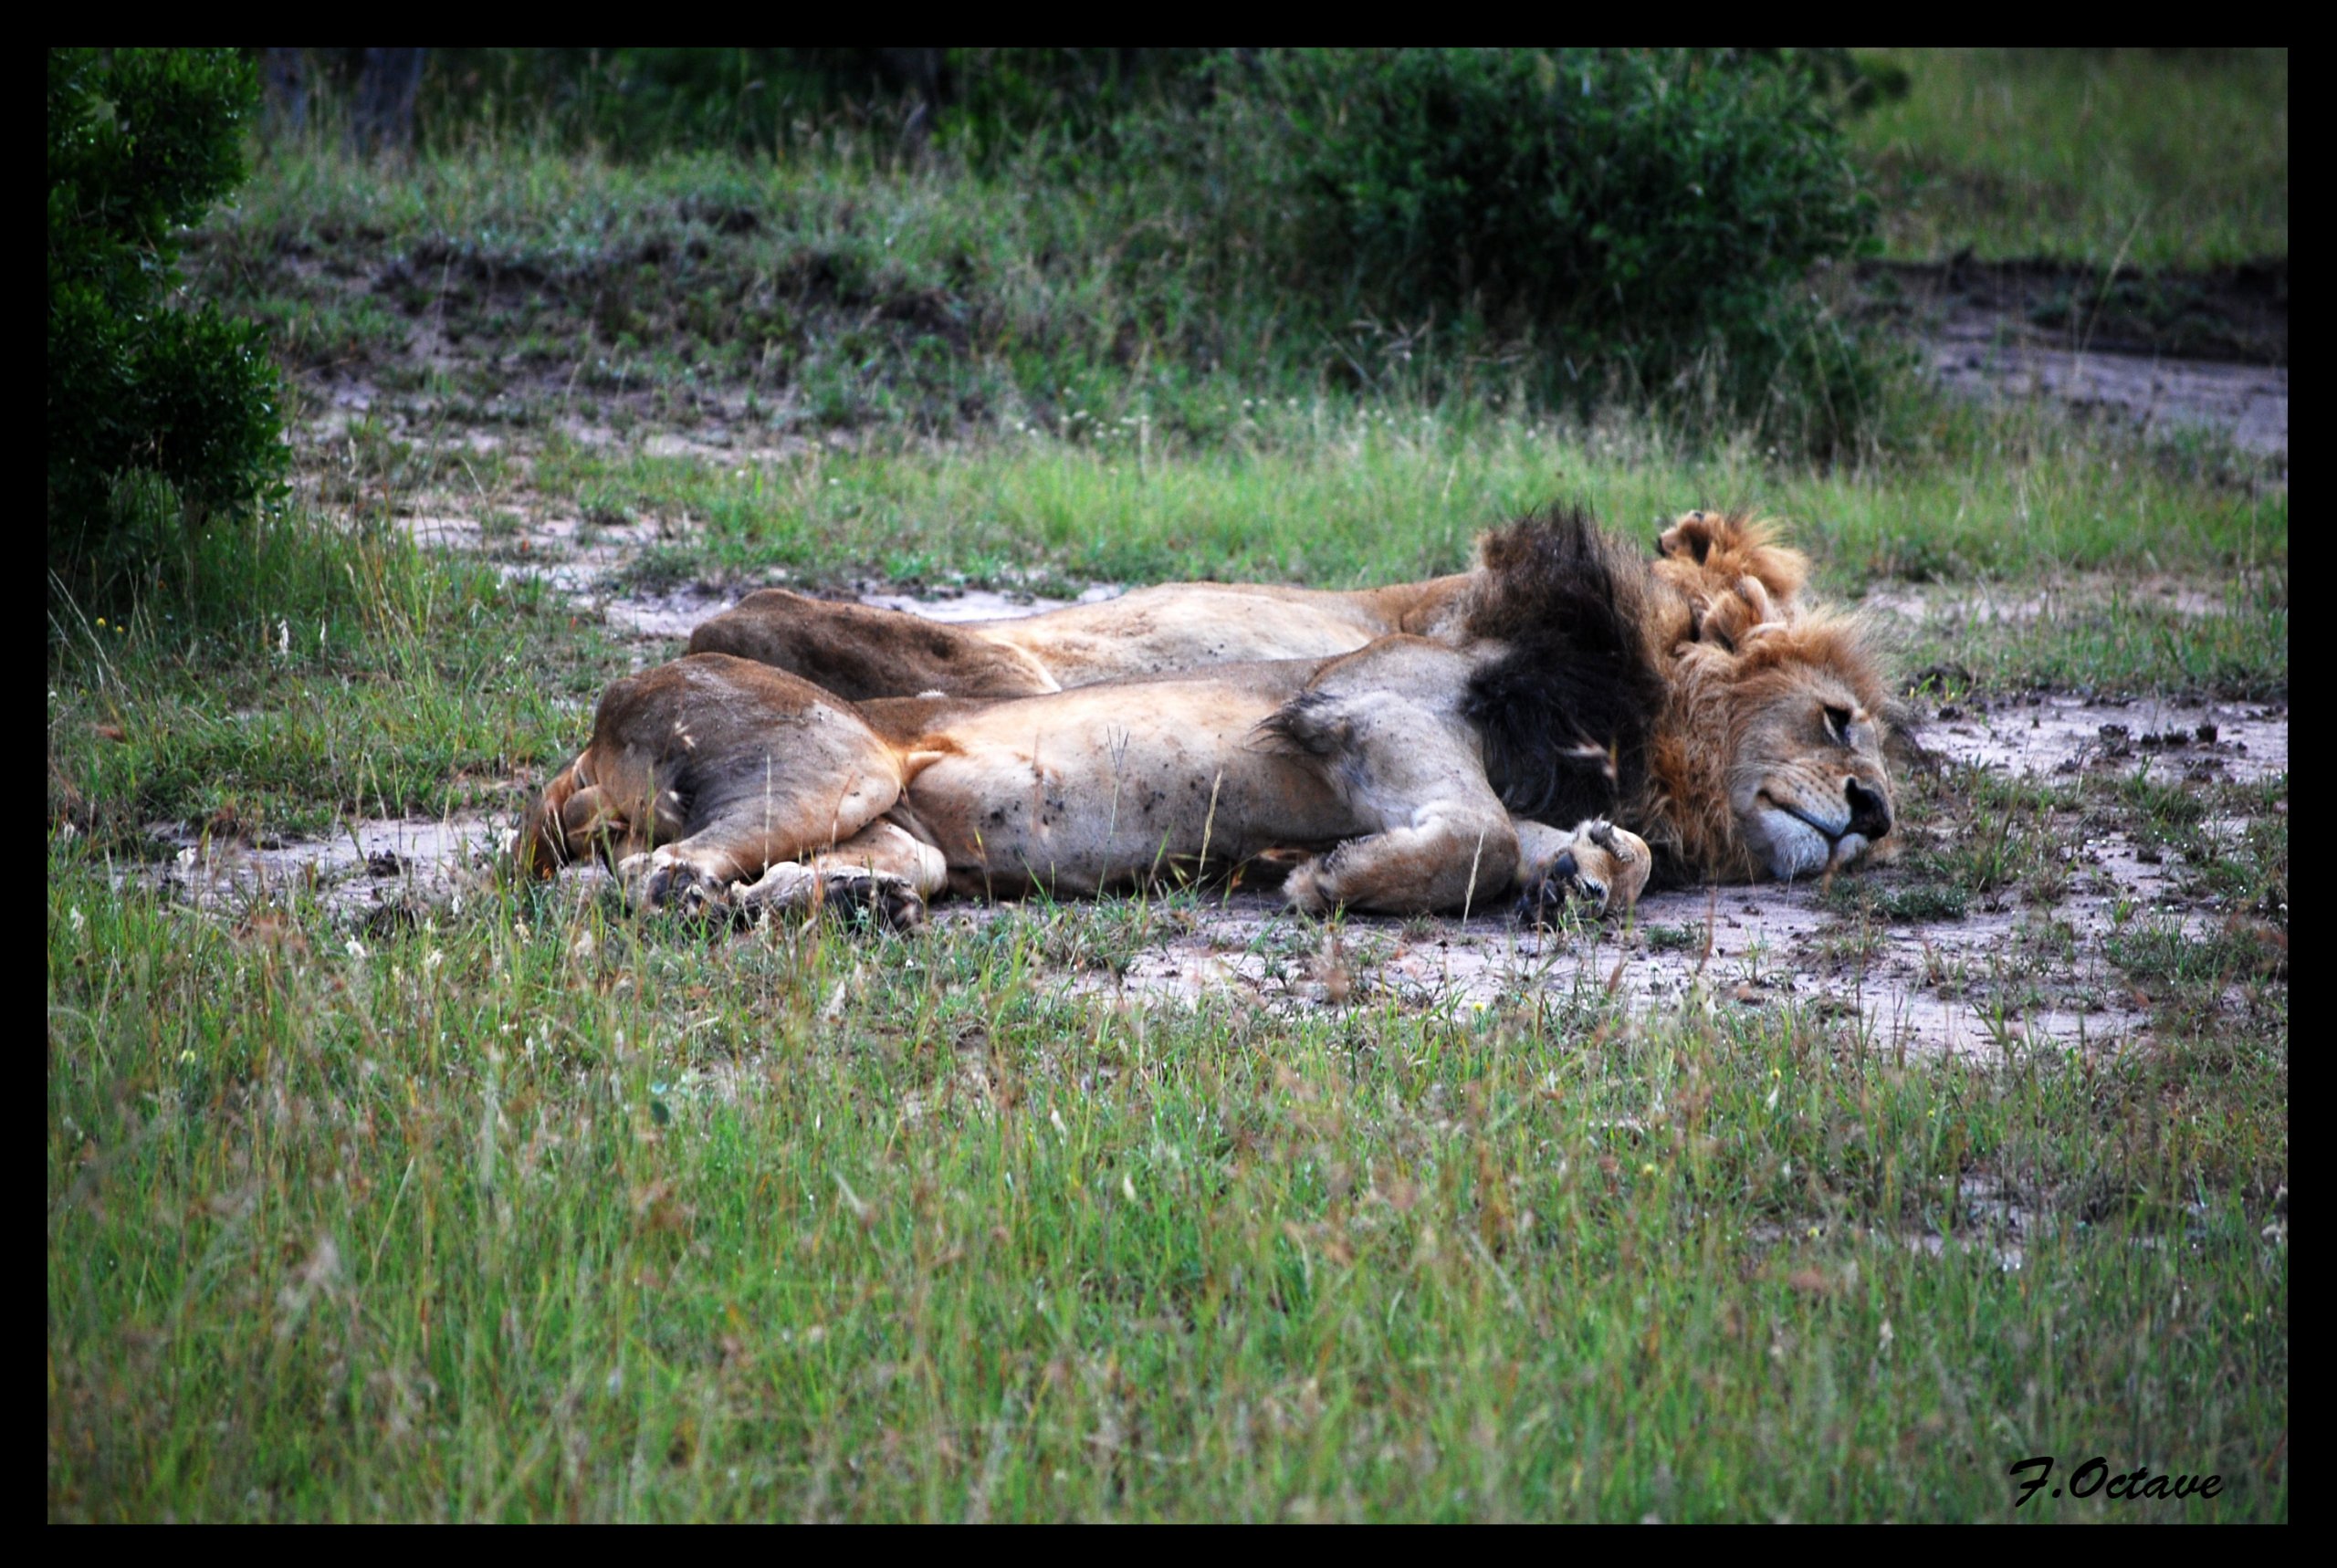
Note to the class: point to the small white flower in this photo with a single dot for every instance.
(76, 917)
(431, 959)
(356, 949)
(283, 639)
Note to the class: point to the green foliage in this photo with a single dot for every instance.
(1384, 218)
(2151, 158)
(1101, 105)
(631, 102)
(637, 103)
(140, 142)
(1646, 218)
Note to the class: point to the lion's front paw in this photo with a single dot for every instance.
(1605, 867)
(1562, 887)
(1305, 890)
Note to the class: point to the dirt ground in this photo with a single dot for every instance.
(2206, 352)
(2003, 976)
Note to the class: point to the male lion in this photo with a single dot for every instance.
(1414, 773)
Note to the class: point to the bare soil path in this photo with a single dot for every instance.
(2164, 352)
(2006, 974)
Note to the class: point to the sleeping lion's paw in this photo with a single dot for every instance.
(1604, 868)
(1305, 890)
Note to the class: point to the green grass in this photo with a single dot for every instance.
(2108, 644)
(534, 1211)
(358, 674)
(1128, 410)
(355, 676)
(1335, 491)
(2099, 156)
(1324, 491)
(500, 1222)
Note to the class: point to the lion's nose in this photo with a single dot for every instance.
(1869, 813)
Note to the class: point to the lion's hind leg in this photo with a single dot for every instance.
(709, 772)
(759, 855)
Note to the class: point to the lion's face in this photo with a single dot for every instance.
(1807, 783)
(1770, 759)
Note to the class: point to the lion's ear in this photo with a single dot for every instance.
(1691, 535)
(1728, 619)
(1736, 545)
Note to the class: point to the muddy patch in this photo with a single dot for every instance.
(2234, 313)
(674, 612)
(2047, 736)
(380, 874)
(1999, 982)
(598, 568)
(2247, 404)
(1951, 605)
(2161, 352)
(2001, 979)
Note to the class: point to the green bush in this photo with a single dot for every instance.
(1646, 218)
(141, 388)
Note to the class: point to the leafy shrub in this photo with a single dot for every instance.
(1646, 218)
(140, 142)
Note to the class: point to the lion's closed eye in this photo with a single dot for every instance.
(1837, 723)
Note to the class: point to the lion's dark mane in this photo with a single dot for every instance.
(1565, 712)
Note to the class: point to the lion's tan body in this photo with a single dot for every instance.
(858, 652)
(715, 770)
(1397, 749)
